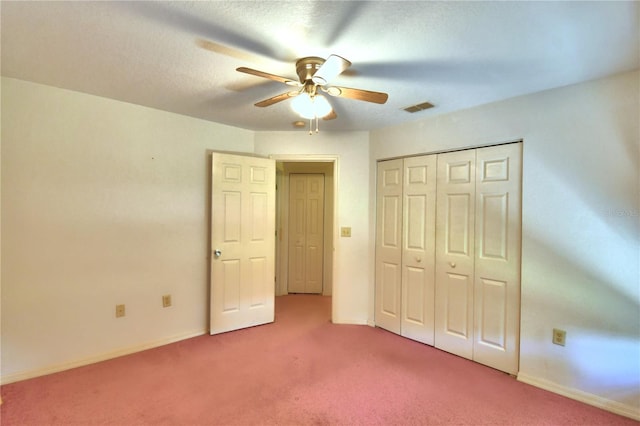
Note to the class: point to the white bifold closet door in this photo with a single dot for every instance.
(404, 247)
(478, 255)
(448, 252)
(496, 294)
(389, 245)
(455, 252)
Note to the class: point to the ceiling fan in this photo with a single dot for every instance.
(314, 76)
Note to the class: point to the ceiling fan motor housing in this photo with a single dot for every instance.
(307, 67)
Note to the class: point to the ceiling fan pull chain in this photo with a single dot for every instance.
(310, 121)
(316, 124)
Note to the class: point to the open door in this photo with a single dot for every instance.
(242, 242)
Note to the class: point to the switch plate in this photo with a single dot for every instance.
(119, 311)
(559, 337)
(166, 300)
(345, 231)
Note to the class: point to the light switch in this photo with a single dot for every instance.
(345, 231)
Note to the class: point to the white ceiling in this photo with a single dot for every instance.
(181, 56)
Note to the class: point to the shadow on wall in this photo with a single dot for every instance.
(580, 244)
(601, 319)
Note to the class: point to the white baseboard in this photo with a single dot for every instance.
(24, 375)
(348, 321)
(578, 395)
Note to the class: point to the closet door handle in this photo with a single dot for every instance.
(452, 264)
(418, 259)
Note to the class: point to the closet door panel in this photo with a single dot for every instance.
(306, 233)
(297, 234)
(455, 252)
(497, 268)
(315, 234)
(388, 245)
(413, 306)
(458, 299)
(492, 307)
(418, 253)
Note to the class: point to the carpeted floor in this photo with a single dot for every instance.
(301, 370)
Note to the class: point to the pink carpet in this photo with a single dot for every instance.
(301, 370)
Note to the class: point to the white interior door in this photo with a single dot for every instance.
(242, 242)
(497, 265)
(418, 255)
(306, 233)
(455, 252)
(389, 245)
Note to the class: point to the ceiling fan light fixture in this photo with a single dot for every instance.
(311, 107)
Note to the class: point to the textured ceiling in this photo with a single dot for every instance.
(181, 56)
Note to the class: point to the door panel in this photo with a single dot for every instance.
(243, 230)
(231, 285)
(315, 233)
(418, 253)
(306, 233)
(388, 245)
(458, 300)
(458, 222)
(492, 313)
(391, 217)
(455, 252)
(258, 269)
(497, 269)
(413, 308)
(389, 294)
(494, 211)
(297, 237)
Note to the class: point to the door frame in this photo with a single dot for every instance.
(331, 227)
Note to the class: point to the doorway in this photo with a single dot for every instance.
(285, 167)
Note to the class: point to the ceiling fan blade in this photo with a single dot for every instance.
(330, 116)
(330, 69)
(278, 98)
(269, 76)
(358, 94)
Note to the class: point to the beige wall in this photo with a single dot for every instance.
(103, 202)
(581, 233)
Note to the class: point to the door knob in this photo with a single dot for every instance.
(452, 264)
(217, 253)
(418, 259)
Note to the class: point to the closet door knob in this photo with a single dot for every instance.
(418, 259)
(452, 264)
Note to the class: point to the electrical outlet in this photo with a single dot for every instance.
(559, 336)
(119, 311)
(345, 231)
(166, 300)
